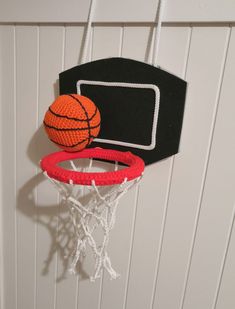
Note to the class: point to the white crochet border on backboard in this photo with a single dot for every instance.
(129, 85)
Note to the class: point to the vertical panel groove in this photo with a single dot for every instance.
(2, 296)
(168, 193)
(101, 290)
(224, 259)
(15, 193)
(205, 172)
(158, 260)
(188, 52)
(2, 275)
(1, 205)
(36, 171)
(58, 196)
(132, 244)
(63, 47)
(56, 262)
(63, 67)
(77, 293)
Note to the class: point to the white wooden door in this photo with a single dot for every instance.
(174, 241)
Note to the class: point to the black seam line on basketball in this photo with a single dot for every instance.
(87, 117)
(73, 118)
(71, 146)
(70, 129)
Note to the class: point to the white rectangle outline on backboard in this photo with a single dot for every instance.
(128, 85)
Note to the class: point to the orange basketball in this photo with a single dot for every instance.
(72, 122)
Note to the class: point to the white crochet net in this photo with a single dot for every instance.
(97, 211)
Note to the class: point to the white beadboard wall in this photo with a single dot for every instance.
(174, 241)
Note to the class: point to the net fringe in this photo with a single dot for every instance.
(99, 211)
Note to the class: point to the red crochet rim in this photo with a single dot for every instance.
(135, 167)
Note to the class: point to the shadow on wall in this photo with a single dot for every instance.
(55, 218)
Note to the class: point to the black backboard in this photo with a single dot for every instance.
(141, 106)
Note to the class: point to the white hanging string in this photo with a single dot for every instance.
(155, 39)
(88, 31)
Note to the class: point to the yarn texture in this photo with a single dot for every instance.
(72, 122)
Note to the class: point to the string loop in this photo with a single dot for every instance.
(155, 39)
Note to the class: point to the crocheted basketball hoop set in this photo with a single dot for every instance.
(71, 122)
(115, 110)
